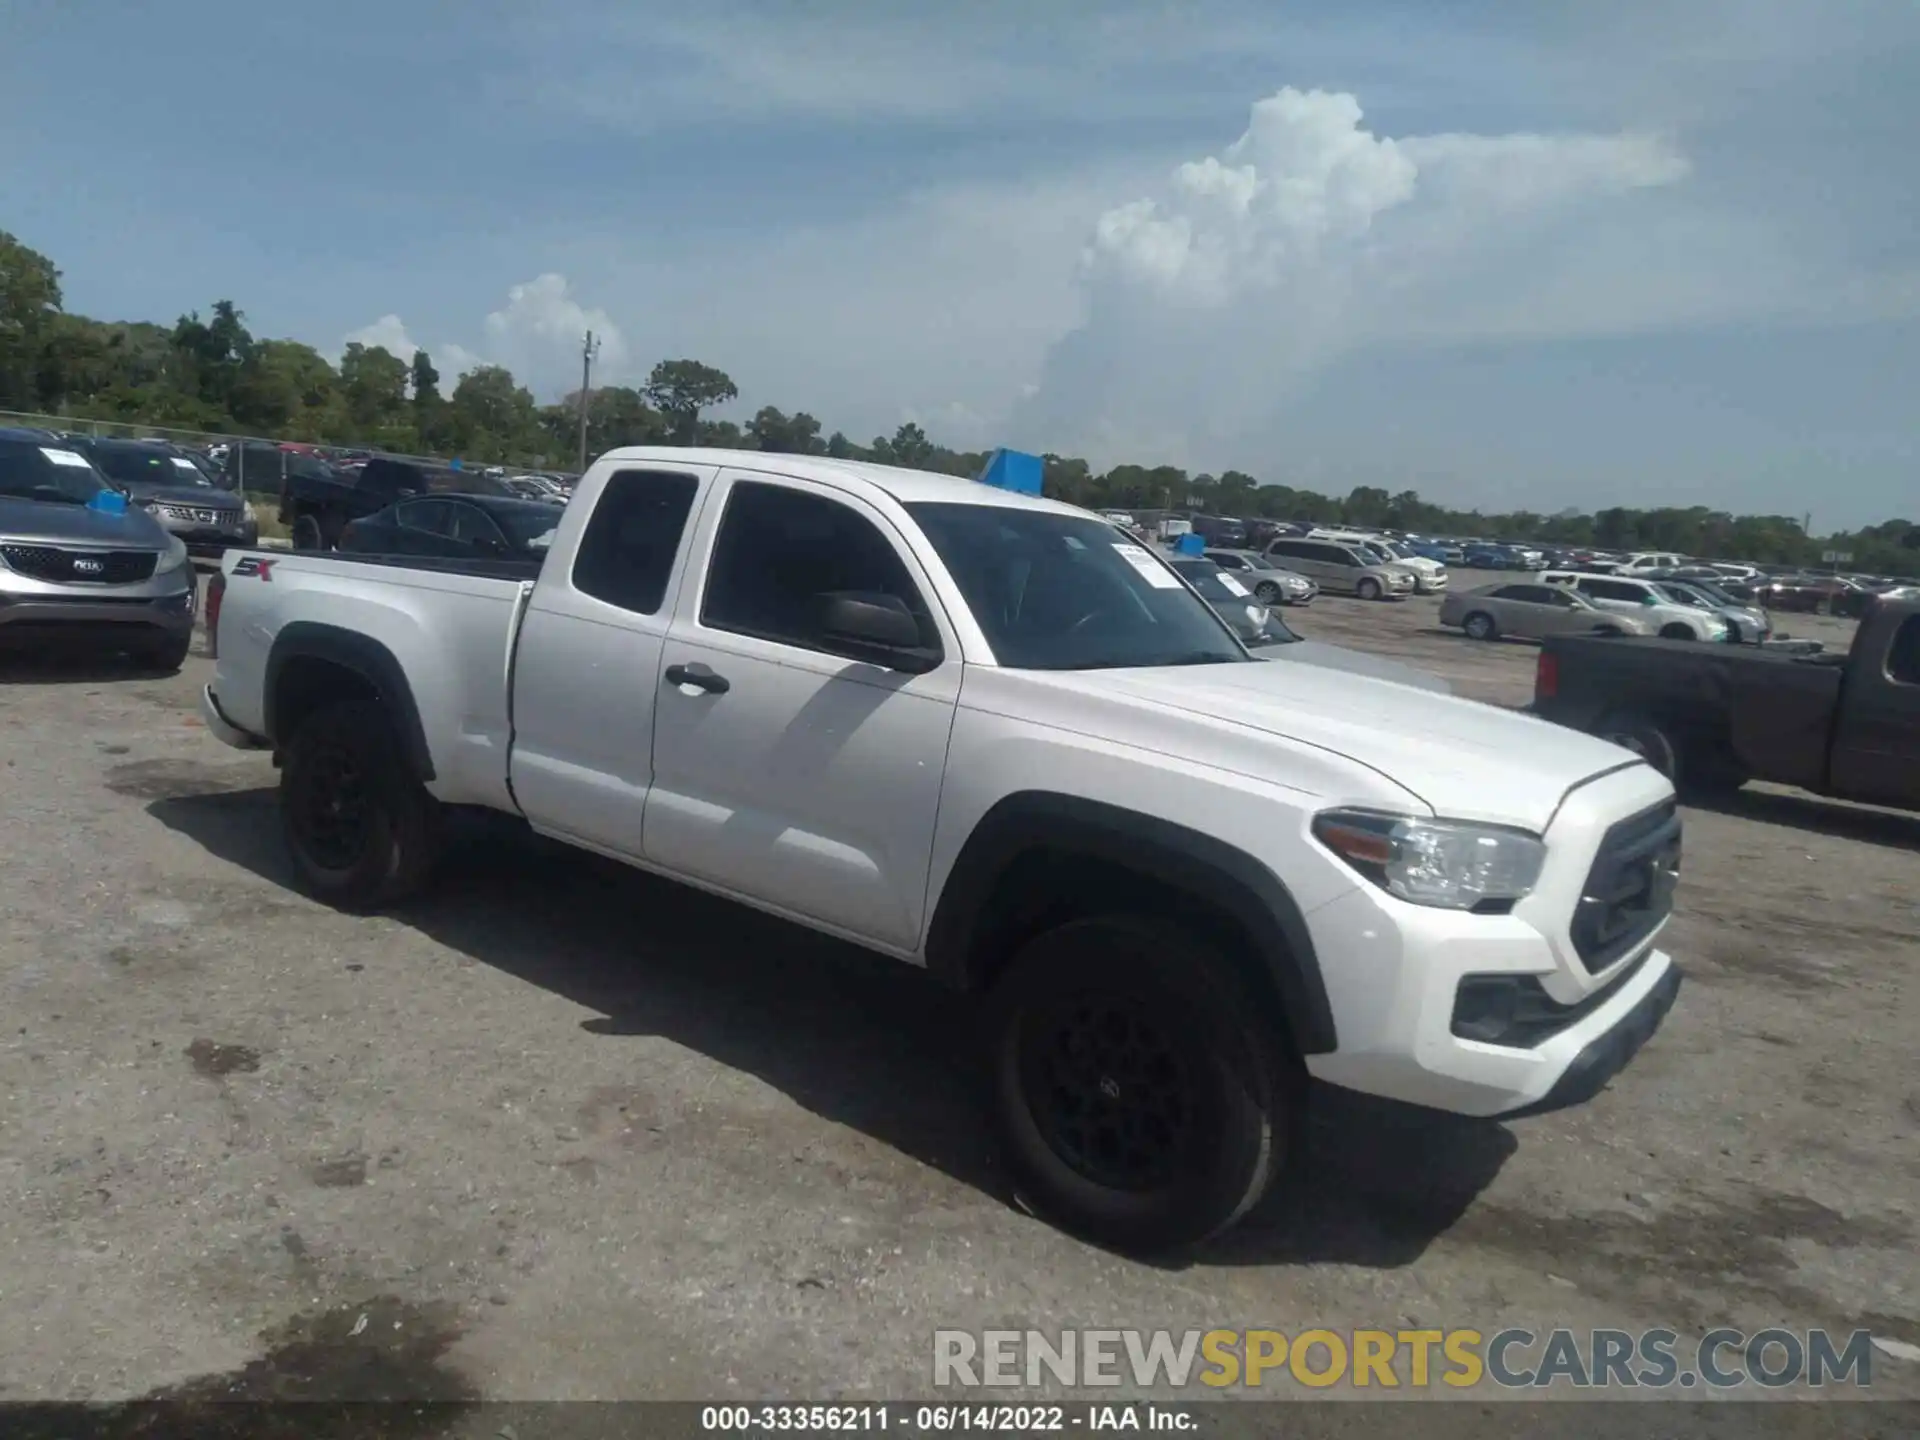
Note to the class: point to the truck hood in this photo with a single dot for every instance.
(56, 524)
(1354, 662)
(1466, 760)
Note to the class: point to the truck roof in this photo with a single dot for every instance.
(906, 486)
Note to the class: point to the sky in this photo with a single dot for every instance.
(1509, 253)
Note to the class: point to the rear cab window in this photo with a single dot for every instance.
(1903, 657)
(633, 537)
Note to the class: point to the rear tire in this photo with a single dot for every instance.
(1479, 626)
(1368, 588)
(1142, 1098)
(362, 831)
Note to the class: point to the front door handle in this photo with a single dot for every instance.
(700, 677)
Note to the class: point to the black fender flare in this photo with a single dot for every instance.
(365, 657)
(1211, 870)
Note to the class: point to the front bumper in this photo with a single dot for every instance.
(36, 612)
(1397, 989)
(1607, 1054)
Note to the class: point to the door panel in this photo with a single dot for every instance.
(812, 782)
(587, 672)
(1876, 745)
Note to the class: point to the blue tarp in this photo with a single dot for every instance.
(1191, 544)
(1011, 470)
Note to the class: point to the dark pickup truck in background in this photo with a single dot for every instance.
(318, 501)
(1716, 716)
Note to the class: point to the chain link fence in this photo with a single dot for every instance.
(259, 464)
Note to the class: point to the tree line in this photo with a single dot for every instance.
(213, 374)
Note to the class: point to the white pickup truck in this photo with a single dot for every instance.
(989, 735)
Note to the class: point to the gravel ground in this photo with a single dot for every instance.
(563, 1131)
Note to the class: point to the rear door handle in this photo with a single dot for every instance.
(700, 677)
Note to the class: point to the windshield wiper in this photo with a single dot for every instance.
(45, 495)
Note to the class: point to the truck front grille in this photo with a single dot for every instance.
(97, 567)
(1629, 890)
(200, 515)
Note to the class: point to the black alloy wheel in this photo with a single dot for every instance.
(1112, 1094)
(328, 807)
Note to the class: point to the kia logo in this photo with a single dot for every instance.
(88, 567)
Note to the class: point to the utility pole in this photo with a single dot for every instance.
(588, 349)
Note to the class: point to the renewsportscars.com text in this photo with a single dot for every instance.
(1317, 1359)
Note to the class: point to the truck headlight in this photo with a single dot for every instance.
(1450, 864)
(171, 558)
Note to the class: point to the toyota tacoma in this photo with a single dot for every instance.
(990, 735)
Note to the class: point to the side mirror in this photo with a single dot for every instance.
(876, 628)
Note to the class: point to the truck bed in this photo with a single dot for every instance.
(1774, 711)
(454, 620)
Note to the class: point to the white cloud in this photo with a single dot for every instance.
(537, 335)
(938, 308)
(648, 68)
(1309, 237)
(451, 361)
(387, 333)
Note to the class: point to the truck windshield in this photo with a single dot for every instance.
(1069, 592)
(52, 473)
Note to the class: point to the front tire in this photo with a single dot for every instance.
(306, 533)
(1142, 1099)
(362, 831)
(1480, 626)
(1268, 593)
(1677, 632)
(1368, 589)
(1647, 739)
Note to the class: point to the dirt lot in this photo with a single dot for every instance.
(560, 1132)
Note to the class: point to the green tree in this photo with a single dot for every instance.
(797, 434)
(283, 388)
(492, 416)
(681, 389)
(212, 353)
(373, 388)
(29, 308)
(909, 447)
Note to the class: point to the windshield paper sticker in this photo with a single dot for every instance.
(1234, 587)
(65, 457)
(1151, 570)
